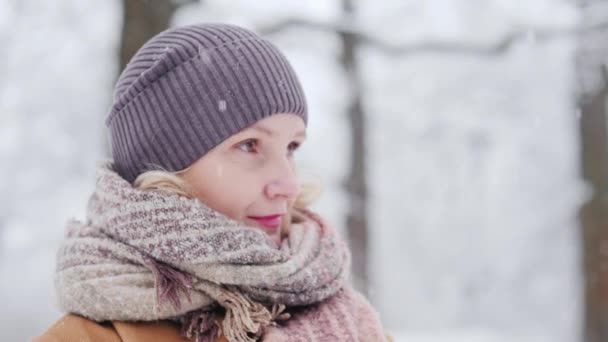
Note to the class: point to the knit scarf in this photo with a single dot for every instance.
(144, 255)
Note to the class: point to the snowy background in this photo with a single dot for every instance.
(473, 156)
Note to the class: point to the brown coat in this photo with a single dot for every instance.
(74, 328)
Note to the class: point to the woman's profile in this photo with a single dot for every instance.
(198, 229)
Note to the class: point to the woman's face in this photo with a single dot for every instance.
(251, 176)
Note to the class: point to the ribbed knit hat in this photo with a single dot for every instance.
(189, 88)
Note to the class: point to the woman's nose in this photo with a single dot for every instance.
(284, 183)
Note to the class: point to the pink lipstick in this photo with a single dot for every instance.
(270, 222)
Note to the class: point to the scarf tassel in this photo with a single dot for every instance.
(201, 326)
(169, 282)
(245, 319)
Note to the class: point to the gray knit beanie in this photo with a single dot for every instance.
(189, 88)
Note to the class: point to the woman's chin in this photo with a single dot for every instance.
(274, 232)
(276, 237)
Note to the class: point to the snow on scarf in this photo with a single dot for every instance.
(144, 255)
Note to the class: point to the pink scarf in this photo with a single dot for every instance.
(150, 255)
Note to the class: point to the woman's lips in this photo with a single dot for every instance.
(271, 222)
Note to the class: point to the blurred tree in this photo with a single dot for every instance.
(594, 215)
(593, 82)
(356, 181)
(142, 19)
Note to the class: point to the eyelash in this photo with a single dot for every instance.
(294, 145)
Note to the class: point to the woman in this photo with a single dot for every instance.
(198, 229)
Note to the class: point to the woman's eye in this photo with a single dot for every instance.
(248, 146)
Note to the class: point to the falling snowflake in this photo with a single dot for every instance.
(204, 55)
(222, 105)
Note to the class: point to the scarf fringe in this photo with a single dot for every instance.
(201, 326)
(246, 319)
(169, 282)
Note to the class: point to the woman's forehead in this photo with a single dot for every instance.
(279, 124)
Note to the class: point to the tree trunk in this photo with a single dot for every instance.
(142, 19)
(593, 92)
(594, 216)
(355, 184)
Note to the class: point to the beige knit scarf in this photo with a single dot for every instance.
(149, 255)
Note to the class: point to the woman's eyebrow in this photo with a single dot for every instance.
(271, 133)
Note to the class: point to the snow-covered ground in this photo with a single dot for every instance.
(473, 158)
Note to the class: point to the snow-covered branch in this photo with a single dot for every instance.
(462, 47)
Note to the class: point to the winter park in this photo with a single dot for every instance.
(338, 170)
